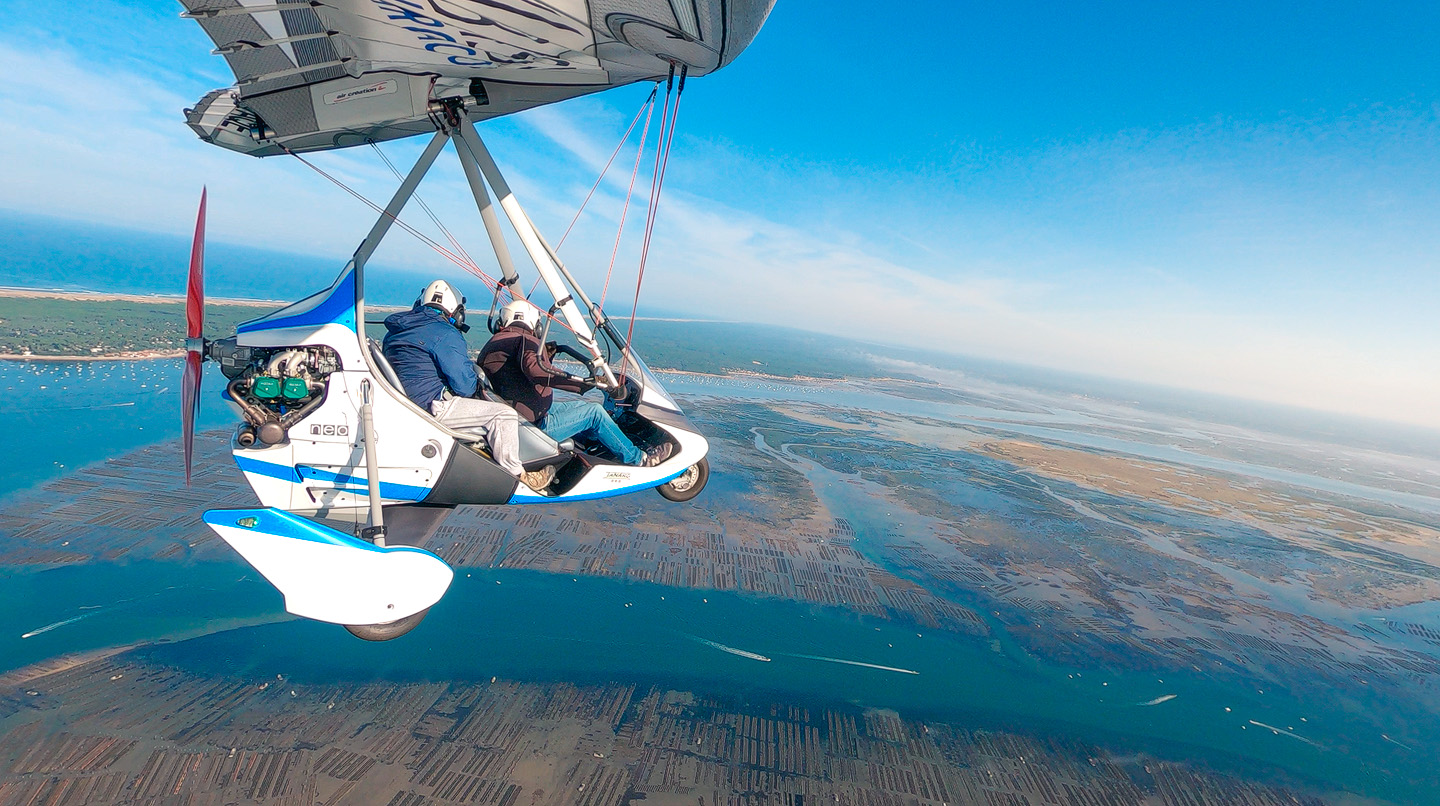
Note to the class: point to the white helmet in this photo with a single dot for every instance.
(446, 299)
(522, 311)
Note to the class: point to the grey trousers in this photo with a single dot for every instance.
(496, 423)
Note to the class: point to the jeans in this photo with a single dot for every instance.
(569, 418)
(493, 422)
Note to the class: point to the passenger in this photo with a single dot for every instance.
(428, 353)
(520, 371)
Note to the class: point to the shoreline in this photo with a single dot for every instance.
(15, 292)
(749, 374)
(131, 355)
(143, 355)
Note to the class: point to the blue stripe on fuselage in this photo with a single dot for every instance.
(391, 490)
(279, 523)
(523, 499)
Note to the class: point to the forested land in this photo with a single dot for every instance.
(45, 326)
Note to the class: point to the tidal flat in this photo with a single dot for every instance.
(1101, 600)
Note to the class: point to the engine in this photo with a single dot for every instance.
(275, 388)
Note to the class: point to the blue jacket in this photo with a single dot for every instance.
(429, 355)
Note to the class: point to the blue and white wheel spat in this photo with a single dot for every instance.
(328, 575)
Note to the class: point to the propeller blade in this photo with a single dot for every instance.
(194, 338)
(195, 289)
(190, 406)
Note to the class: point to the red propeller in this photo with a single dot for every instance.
(194, 336)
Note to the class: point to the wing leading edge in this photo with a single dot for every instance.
(313, 75)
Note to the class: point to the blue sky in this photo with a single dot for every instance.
(1238, 198)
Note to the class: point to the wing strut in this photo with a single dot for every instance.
(511, 279)
(552, 270)
(382, 224)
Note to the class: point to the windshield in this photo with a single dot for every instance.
(654, 392)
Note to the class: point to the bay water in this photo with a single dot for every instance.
(220, 618)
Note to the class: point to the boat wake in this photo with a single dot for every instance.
(732, 650)
(757, 656)
(1158, 700)
(1285, 732)
(1392, 741)
(852, 663)
(49, 627)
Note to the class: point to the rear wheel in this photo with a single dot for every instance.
(687, 485)
(388, 630)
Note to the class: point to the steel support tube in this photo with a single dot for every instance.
(382, 225)
(398, 201)
(539, 251)
(487, 215)
(372, 466)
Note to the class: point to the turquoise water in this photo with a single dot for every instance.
(535, 626)
(527, 625)
(96, 606)
(56, 416)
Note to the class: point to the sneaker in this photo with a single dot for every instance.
(538, 479)
(657, 454)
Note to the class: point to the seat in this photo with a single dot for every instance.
(381, 363)
(536, 448)
(385, 374)
(536, 445)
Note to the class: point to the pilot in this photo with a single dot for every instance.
(520, 371)
(428, 353)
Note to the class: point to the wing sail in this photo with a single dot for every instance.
(320, 74)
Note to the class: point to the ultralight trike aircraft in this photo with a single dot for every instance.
(326, 428)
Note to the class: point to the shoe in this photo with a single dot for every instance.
(538, 479)
(657, 454)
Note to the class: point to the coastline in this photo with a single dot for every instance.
(749, 374)
(141, 355)
(131, 355)
(153, 319)
(15, 292)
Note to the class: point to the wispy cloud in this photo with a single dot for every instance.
(1141, 256)
(133, 162)
(1156, 320)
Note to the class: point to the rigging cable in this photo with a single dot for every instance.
(657, 182)
(469, 266)
(425, 239)
(606, 169)
(647, 104)
(474, 266)
(625, 210)
(454, 243)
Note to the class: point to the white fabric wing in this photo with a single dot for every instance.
(318, 74)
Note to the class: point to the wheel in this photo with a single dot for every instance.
(687, 485)
(388, 630)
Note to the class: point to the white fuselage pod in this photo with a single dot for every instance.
(606, 480)
(321, 466)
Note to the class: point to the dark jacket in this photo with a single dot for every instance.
(514, 361)
(429, 355)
